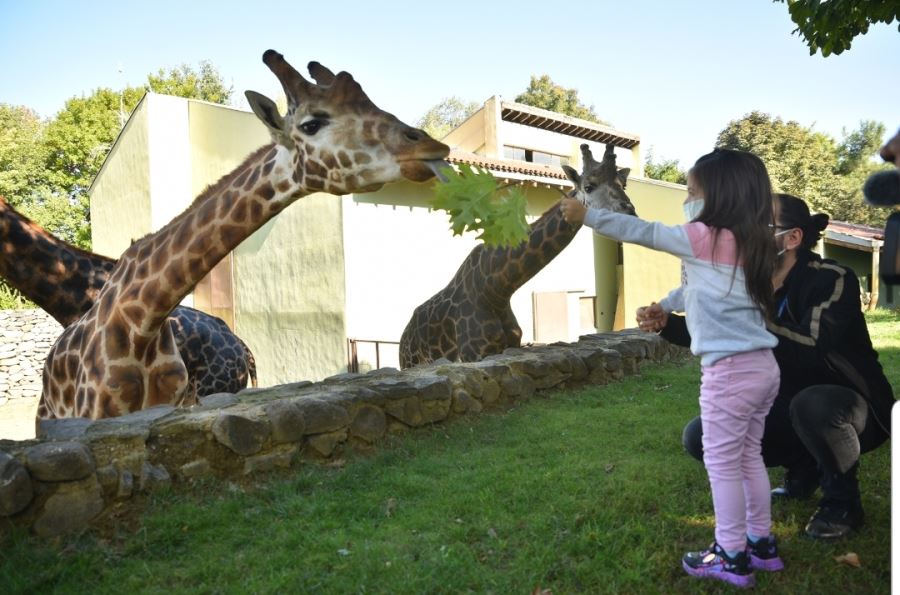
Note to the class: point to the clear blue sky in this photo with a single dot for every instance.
(674, 72)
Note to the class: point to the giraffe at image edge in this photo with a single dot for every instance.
(65, 280)
(121, 356)
(471, 317)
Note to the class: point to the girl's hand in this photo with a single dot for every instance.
(572, 211)
(652, 318)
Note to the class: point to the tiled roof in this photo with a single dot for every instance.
(501, 166)
(858, 231)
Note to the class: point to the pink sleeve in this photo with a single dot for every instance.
(701, 238)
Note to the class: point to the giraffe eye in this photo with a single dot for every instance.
(312, 126)
(588, 188)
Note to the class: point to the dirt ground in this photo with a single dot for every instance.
(17, 418)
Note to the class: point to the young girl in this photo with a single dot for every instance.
(728, 253)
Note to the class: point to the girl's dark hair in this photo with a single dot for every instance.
(737, 196)
(793, 212)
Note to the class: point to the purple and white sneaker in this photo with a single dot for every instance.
(716, 564)
(764, 555)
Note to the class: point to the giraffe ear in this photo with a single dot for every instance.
(573, 175)
(266, 110)
(622, 175)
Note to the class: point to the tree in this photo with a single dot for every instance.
(22, 153)
(830, 26)
(184, 81)
(542, 92)
(446, 115)
(666, 170)
(78, 139)
(826, 174)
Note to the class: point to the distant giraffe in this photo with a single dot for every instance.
(471, 317)
(121, 355)
(65, 280)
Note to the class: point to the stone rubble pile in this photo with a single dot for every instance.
(25, 339)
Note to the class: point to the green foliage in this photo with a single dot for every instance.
(46, 168)
(22, 153)
(11, 299)
(830, 26)
(469, 197)
(446, 115)
(184, 81)
(828, 175)
(542, 92)
(667, 170)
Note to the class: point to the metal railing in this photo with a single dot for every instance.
(353, 352)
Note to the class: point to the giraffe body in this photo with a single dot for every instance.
(121, 355)
(471, 317)
(65, 281)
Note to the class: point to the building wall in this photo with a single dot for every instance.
(649, 275)
(288, 281)
(120, 194)
(289, 293)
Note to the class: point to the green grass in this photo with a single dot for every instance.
(582, 491)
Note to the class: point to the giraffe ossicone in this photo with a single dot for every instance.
(121, 356)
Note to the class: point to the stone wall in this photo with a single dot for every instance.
(25, 338)
(79, 470)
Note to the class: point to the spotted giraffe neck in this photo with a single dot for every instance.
(57, 276)
(161, 269)
(505, 270)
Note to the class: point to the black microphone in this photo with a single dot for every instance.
(882, 189)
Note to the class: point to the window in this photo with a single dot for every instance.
(538, 157)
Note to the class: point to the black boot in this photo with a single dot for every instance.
(840, 510)
(799, 483)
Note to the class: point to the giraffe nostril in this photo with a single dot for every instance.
(414, 135)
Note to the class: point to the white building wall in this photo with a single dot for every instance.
(397, 257)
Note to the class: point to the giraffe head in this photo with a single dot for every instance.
(341, 142)
(600, 184)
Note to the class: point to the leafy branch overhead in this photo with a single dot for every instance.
(474, 203)
(830, 27)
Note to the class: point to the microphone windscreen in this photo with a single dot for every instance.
(882, 189)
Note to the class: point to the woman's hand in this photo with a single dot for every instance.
(572, 211)
(652, 318)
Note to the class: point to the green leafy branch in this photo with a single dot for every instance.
(470, 197)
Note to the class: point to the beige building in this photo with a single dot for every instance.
(333, 277)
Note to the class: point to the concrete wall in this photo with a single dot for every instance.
(120, 194)
(289, 293)
(650, 275)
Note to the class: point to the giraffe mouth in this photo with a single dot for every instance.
(420, 170)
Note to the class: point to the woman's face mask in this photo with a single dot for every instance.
(781, 233)
(692, 209)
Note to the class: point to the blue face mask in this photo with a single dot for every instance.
(692, 209)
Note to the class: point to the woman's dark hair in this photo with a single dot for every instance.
(737, 195)
(793, 212)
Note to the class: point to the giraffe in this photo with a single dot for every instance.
(65, 280)
(120, 356)
(471, 317)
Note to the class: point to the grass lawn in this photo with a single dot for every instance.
(581, 491)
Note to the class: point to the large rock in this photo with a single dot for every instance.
(59, 461)
(15, 486)
(242, 435)
(369, 423)
(72, 506)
